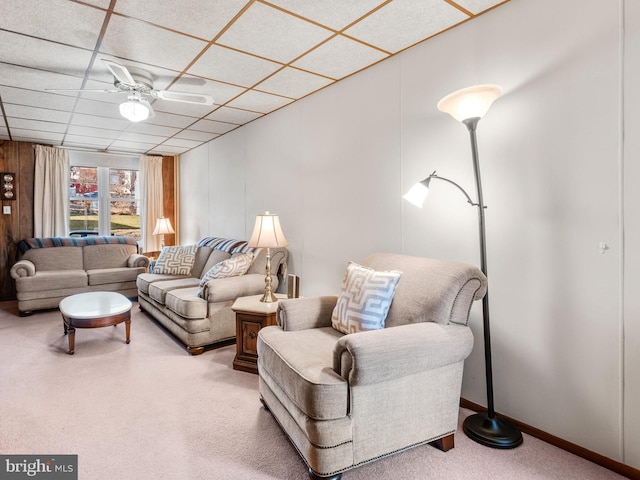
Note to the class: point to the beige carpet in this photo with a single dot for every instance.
(148, 410)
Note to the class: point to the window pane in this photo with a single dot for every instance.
(122, 183)
(83, 201)
(125, 218)
(84, 217)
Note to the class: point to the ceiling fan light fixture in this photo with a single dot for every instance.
(134, 110)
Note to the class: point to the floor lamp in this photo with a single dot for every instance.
(468, 106)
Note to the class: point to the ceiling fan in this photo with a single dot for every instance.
(138, 85)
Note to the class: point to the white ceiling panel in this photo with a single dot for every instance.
(420, 20)
(58, 20)
(259, 102)
(233, 115)
(226, 65)
(335, 14)
(271, 33)
(131, 39)
(251, 56)
(339, 57)
(212, 15)
(294, 83)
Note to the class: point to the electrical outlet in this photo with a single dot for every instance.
(6, 209)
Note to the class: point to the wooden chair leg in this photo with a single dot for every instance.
(445, 443)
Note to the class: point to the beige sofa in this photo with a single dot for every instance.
(348, 399)
(198, 322)
(53, 268)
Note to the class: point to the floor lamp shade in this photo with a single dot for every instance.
(267, 233)
(470, 102)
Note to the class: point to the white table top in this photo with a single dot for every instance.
(94, 304)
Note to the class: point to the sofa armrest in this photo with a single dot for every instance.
(23, 268)
(230, 288)
(305, 313)
(137, 260)
(395, 352)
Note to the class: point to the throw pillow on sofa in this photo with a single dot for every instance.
(364, 300)
(176, 260)
(231, 267)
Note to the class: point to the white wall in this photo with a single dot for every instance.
(565, 334)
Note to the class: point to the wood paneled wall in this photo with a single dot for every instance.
(17, 157)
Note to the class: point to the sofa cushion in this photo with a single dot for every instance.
(159, 290)
(302, 362)
(216, 257)
(114, 255)
(186, 303)
(364, 300)
(176, 260)
(61, 279)
(55, 259)
(113, 275)
(145, 279)
(231, 267)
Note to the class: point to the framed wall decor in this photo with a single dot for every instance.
(8, 182)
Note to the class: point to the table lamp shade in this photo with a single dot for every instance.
(267, 232)
(163, 226)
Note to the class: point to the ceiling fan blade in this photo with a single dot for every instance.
(81, 90)
(197, 98)
(120, 72)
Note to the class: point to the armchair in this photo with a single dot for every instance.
(348, 399)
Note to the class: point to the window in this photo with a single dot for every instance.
(103, 196)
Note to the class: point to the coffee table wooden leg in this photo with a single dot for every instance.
(72, 338)
(127, 326)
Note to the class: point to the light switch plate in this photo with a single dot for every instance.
(6, 209)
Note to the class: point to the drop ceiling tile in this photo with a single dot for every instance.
(35, 113)
(81, 141)
(339, 57)
(36, 125)
(478, 6)
(197, 135)
(42, 54)
(33, 79)
(134, 146)
(271, 33)
(233, 115)
(211, 126)
(403, 23)
(259, 102)
(221, 92)
(335, 14)
(167, 150)
(181, 142)
(20, 135)
(98, 3)
(141, 137)
(179, 108)
(225, 65)
(100, 122)
(57, 20)
(101, 109)
(81, 130)
(166, 119)
(293, 83)
(34, 98)
(149, 129)
(138, 41)
(204, 19)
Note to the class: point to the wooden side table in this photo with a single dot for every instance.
(251, 316)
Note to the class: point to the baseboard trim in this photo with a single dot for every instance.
(608, 463)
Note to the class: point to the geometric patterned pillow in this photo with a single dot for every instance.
(231, 267)
(364, 300)
(176, 260)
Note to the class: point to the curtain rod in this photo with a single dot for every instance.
(97, 152)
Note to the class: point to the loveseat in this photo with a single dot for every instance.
(376, 369)
(53, 268)
(192, 291)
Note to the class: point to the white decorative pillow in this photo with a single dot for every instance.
(231, 267)
(176, 260)
(364, 300)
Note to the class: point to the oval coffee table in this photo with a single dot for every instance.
(92, 310)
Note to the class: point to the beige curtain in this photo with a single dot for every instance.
(151, 201)
(51, 192)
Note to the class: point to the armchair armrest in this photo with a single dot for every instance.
(394, 352)
(230, 288)
(137, 260)
(305, 313)
(23, 268)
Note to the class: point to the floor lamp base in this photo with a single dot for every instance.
(492, 432)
